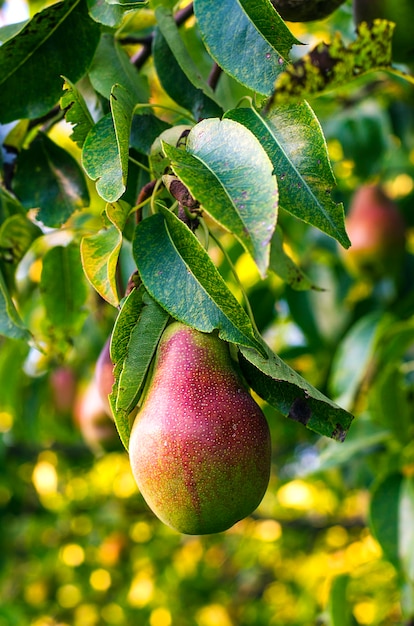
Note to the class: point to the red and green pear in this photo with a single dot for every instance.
(104, 375)
(200, 445)
(376, 230)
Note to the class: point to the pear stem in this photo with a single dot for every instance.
(239, 283)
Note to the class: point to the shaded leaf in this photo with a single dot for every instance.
(76, 113)
(102, 11)
(26, 89)
(339, 606)
(64, 289)
(332, 65)
(111, 65)
(180, 276)
(177, 71)
(259, 52)
(293, 139)
(49, 178)
(384, 515)
(135, 337)
(100, 253)
(11, 324)
(228, 172)
(122, 106)
(282, 387)
(282, 265)
(17, 234)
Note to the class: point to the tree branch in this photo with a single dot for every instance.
(305, 10)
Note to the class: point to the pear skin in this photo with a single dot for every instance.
(200, 445)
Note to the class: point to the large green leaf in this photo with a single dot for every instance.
(49, 178)
(294, 142)
(63, 289)
(11, 324)
(282, 387)
(60, 40)
(180, 276)
(76, 112)
(105, 151)
(111, 65)
(177, 71)
(100, 253)
(228, 172)
(247, 38)
(135, 337)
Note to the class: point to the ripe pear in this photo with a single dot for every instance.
(401, 12)
(104, 376)
(376, 230)
(200, 445)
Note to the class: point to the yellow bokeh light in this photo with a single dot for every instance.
(45, 478)
(86, 615)
(113, 613)
(213, 615)
(365, 612)
(401, 186)
(160, 617)
(187, 557)
(77, 489)
(336, 536)
(124, 485)
(100, 579)
(35, 271)
(267, 530)
(68, 596)
(140, 532)
(141, 591)
(36, 593)
(6, 421)
(72, 555)
(296, 495)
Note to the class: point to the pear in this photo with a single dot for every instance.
(104, 376)
(200, 445)
(376, 229)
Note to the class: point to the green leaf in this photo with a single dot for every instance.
(111, 65)
(76, 113)
(102, 12)
(257, 55)
(48, 177)
(333, 65)
(135, 337)
(9, 205)
(105, 152)
(384, 516)
(129, 4)
(17, 234)
(100, 253)
(293, 139)
(64, 289)
(339, 606)
(282, 387)
(352, 357)
(229, 173)
(11, 324)
(177, 72)
(180, 276)
(282, 265)
(27, 89)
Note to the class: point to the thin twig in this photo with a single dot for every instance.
(214, 76)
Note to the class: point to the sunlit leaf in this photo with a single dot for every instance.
(293, 139)
(100, 253)
(11, 324)
(282, 265)
(228, 172)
